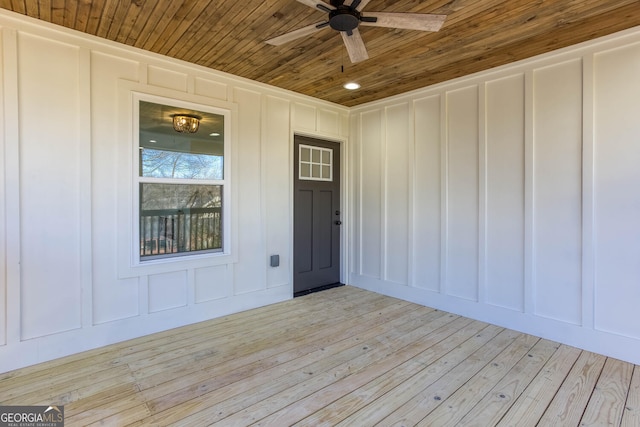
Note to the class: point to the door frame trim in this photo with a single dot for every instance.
(344, 193)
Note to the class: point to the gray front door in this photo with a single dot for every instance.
(317, 219)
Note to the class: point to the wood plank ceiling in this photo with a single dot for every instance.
(229, 35)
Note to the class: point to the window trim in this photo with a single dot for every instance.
(129, 262)
(137, 179)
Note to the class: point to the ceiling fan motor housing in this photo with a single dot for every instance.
(344, 18)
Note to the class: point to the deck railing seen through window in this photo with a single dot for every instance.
(171, 231)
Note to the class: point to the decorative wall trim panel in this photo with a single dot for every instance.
(68, 193)
(525, 210)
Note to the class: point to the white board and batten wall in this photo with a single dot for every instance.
(66, 284)
(510, 196)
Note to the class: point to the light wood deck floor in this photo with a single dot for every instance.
(339, 357)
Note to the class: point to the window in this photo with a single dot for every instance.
(316, 164)
(181, 181)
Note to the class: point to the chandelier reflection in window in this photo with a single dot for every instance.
(186, 123)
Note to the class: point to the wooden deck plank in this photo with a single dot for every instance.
(401, 364)
(102, 405)
(467, 396)
(631, 415)
(340, 357)
(262, 319)
(432, 396)
(277, 357)
(496, 403)
(529, 407)
(607, 401)
(569, 402)
(126, 417)
(261, 358)
(278, 409)
(377, 410)
(375, 351)
(273, 380)
(233, 343)
(346, 401)
(57, 388)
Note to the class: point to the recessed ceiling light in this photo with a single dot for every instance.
(214, 134)
(153, 141)
(351, 86)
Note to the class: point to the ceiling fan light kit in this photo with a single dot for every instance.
(346, 16)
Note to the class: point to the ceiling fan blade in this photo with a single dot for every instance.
(355, 46)
(296, 34)
(318, 4)
(406, 21)
(359, 4)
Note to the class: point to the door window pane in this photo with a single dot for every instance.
(326, 157)
(315, 163)
(326, 172)
(305, 154)
(305, 170)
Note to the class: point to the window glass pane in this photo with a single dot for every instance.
(172, 164)
(167, 153)
(315, 171)
(326, 172)
(176, 218)
(305, 170)
(326, 157)
(305, 154)
(315, 156)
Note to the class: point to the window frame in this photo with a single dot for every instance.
(138, 179)
(312, 163)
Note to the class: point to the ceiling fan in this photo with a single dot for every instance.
(346, 15)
